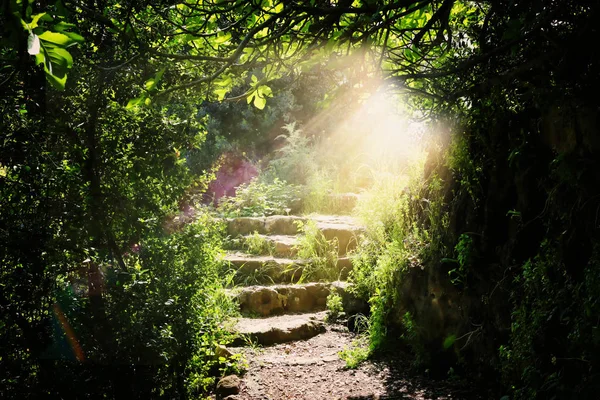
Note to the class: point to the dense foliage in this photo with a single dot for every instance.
(100, 282)
(103, 126)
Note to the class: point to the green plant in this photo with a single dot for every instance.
(317, 197)
(536, 361)
(464, 250)
(357, 353)
(259, 276)
(260, 198)
(378, 320)
(258, 244)
(335, 307)
(296, 161)
(411, 337)
(465, 166)
(321, 254)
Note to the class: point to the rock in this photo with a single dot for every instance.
(227, 386)
(265, 268)
(278, 299)
(261, 300)
(281, 329)
(245, 226)
(282, 225)
(342, 228)
(283, 245)
(298, 300)
(233, 397)
(344, 266)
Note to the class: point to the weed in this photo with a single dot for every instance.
(357, 353)
(335, 307)
(250, 342)
(464, 257)
(464, 166)
(258, 276)
(412, 338)
(321, 253)
(257, 244)
(296, 161)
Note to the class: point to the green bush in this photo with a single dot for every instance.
(162, 318)
(260, 198)
(335, 307)
(555, 334)
(296, 158)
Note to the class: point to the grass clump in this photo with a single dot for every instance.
(322, 253)
(257, 244)
(357, 353)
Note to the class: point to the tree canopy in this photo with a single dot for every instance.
(209, 46)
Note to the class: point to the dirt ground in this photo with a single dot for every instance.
(312, 369)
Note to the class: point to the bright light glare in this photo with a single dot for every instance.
(390, 135)
(377, 137)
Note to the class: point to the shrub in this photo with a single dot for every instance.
(260, 198)
(163, 317)
(335, 307)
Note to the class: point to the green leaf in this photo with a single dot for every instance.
(259, 102)
(57, 82)
(221, 39)
(226, 81)
(34, 22)
(39, 58)
(221, 93)
(75, 37)
(60, 56)
(150, 84)
(265, 91)
(56, 38)
(63, 26)
(134, 102)
(449, 341)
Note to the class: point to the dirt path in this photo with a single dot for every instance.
(312, 370)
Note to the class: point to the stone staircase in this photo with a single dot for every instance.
(276, 301)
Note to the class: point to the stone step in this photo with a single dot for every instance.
(273, 225)
(343, 203)
(343, 228)
(278, 245)
(271, 300)
(264, 269)
(270, 269)
(280, 329)
(281, 299)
